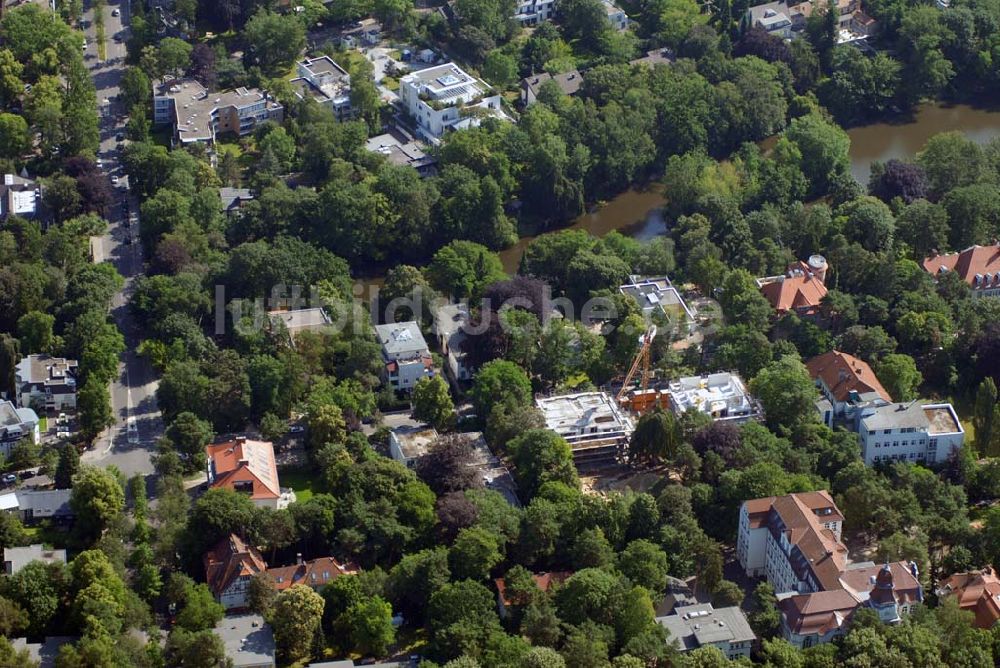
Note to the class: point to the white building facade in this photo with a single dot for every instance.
(405, 353)
(910, 432)
(444, 98)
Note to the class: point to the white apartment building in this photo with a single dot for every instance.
(444, 98)
(15, 424)
(911, 431)
(793, 541)
(198, 115)
(327, 83)
(48, 381)
(724, 396)
(405, 353)
(591, 422)
(533, 12)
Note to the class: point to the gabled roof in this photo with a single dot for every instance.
(315, 573)
(981, 261)
(247, 462)
(801, 517)
(230, 559)
(800, 293)
(545, 582)
(843, 374)
(975, 591)
(818, 613)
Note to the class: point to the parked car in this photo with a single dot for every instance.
(114, 179)
(115, 12)
(8, 479)
(25, 475)
(296, 429)
(62, 419)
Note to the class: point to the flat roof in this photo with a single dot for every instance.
(693, 626)
(583, 414)
(400, 338)
(935, 418)
(301, 319)
(248, 639)
(194, 106)
(322, 65)
(414, 442)
(16, 558)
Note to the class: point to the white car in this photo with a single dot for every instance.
(84, 45)
(62, 419)
(132, 431)
(115, 12)
(114, 179)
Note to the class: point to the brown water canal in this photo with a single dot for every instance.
(638, 214)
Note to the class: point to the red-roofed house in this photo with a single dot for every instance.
(314, 573)
(229, 566)
(799, 290)
(545, 582)
(977, 592)
(794, 542)
(978, 266)
(847, 383)
(248, 467)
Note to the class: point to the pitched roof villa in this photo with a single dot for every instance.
(247, 466)
(978, 266)
(844, 377)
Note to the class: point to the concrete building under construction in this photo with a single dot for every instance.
(592, 423)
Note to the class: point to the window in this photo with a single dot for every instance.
(887, 431)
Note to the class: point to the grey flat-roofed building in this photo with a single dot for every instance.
(44, 653)
(402, 153)
(701, 625)
(913, 431)
(16, 558)
(248, 639)
(38, 504)
(404, 350)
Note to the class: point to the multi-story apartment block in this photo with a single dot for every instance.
(405, 353)
(198, 115)
(48, 381)
(327, 83)
(794, 543)
(444, 98)
(912, 431)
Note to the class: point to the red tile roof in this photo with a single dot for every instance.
(843, 374)
(824, 554)
(802, 294)
(245, 461)
(545, 582)
(904, 586)
(818, 613)
(314, 573)
(230, 559)
(976, 591)
(983, 261)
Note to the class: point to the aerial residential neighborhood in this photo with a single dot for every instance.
(499, 334)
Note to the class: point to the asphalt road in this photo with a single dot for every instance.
(131, 441)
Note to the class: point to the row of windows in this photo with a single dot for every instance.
(896, 444)
(900, 457)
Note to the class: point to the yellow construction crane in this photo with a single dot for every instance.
(641, 361)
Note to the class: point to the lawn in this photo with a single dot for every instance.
(44, 534)
(300, 480)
